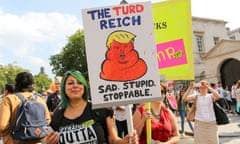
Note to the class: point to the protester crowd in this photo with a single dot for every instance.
(71, 119)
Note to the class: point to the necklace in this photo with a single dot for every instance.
(156, 116)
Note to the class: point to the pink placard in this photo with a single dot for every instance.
(171, 53)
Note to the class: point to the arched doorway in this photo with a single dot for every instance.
(230, 72)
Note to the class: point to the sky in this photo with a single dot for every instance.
(32, 31)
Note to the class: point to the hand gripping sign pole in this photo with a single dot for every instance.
(129, 112)
(130, 122)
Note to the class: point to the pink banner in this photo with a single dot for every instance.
(171, 53)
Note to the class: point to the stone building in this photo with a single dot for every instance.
(216, 51)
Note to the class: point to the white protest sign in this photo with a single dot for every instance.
(121, 54)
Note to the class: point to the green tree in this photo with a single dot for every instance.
(72, 56)
(41, 82)
(8, 74)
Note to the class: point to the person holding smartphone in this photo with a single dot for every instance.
(77, 122)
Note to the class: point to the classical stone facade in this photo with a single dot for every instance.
(216, 51)
(235, 34)
(218, 65)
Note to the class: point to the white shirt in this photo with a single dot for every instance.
(120, 115)
(204, 111)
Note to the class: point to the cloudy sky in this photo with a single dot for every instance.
(32, 31)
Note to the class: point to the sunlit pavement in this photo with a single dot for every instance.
(228, 134)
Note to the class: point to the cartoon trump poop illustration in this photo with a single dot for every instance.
(122, 61)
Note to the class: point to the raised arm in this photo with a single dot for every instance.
(187, 93)
(215, 94)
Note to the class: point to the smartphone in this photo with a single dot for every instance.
(48, 129)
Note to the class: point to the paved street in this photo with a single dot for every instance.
(228, 134)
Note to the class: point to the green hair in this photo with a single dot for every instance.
(78, 75)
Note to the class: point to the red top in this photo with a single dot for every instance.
(161, 129)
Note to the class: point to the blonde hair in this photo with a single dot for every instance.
(59, 78)
(120, 36)
(204, 81)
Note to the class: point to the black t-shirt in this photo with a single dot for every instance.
(53, 101)
(89, 128)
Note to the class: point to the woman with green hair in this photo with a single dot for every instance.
(77, 122)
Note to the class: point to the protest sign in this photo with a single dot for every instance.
(121, 54)
(173, 33)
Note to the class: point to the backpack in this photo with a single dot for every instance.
(30, 120)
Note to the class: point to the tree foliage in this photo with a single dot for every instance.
(72, 56)
(8, 74)
(41, 82)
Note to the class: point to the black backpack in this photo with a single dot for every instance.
(30, 120)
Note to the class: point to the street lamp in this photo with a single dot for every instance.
(123, 2)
